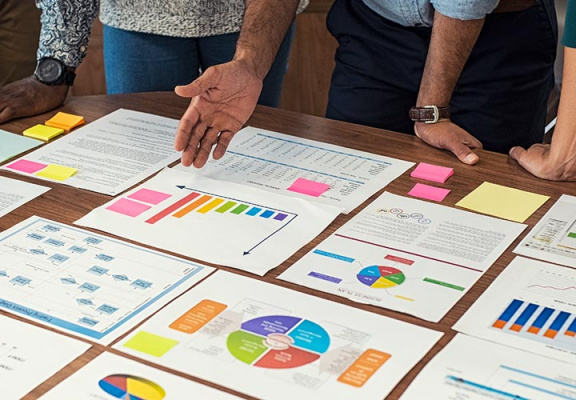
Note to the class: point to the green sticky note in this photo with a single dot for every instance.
(43, 132)
(151, 344)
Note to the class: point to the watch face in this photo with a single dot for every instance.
(49, 71)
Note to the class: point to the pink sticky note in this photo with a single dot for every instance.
(311, 188)
(128, 207)
(149, 196)
(428, 192)
(29, 167)
(432, 172)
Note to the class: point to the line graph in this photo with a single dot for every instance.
(553, 284)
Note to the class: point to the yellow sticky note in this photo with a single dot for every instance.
(65, 121)
(502, 201)
(151, 344)
(57, 172)
(43, 132)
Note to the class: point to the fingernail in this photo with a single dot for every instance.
(471, 158)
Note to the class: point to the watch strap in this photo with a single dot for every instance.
(429, 114)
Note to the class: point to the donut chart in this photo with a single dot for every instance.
(381, 277)
(129, 387)
(278, 342)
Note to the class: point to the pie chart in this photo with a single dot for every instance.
(278, 342)
(129, 387)
(381, 277)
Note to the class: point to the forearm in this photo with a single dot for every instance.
(263, 29)
(65, 29)
(450, 46)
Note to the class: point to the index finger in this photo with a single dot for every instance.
(187, 122)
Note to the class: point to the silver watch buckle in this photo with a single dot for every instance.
(436, 115)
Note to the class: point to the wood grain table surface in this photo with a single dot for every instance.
(67, 204)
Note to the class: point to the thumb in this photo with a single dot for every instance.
(464, 153)
(201, 84)
(517, 153)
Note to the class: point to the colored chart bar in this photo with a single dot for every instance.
(240, 209)
(541, 320)
(254, 211)
(192, 206)
(210, 206)
(226, 207)
(267, 214)
(557, 325)
(571, 331)
(280, 217)
(169, 210)
(508, 313)
(524, 317)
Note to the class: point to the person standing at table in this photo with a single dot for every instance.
(557, 161)
(477, 72)
(149, 45)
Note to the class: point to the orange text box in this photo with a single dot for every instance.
(364, 367)
(198, 316)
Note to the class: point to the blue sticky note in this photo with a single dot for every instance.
(12, 144)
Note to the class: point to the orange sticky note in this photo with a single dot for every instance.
(65, 121)
(43, 132)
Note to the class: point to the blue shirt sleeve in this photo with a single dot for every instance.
(65, 29)
(464, 9)
(569, 38)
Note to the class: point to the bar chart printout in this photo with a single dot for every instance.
(531, 305)
(219, 222)
(475, 369)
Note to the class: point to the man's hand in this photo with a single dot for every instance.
(28, 97)
(539, 161)
(447, 135)
(223, 99)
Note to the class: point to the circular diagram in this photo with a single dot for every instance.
(278, 341)
(381, 277)
(131, 387)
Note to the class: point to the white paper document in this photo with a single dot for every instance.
(14, 193)
(86, 284)
(554, 236)
(273, 343)
(29, 355)
(218, 222)
(407, 255)
(111, 377)
(531, 306)
(474, 369)
(277, 162)
(110, 154)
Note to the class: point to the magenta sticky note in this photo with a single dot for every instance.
(430, 172)
(428, 192)
(128, 207)
(149, 196)
(29, 167)
(311, 188)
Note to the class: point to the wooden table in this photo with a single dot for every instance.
(66, 204)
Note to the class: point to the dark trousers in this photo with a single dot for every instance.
(501, 95)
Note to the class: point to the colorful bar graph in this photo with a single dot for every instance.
(226, 207)
(541, 320)
(240, 209)
(571, 331)
(170, 209)
(280, 217)
(524, 317)
(253, 211)
(508, 313)
(210, 206)
(192, 206)
(557, 325)
(267, 214)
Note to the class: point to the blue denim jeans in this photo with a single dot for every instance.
(142, 62)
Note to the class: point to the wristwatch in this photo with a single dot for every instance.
(51, 72)
(429, 114)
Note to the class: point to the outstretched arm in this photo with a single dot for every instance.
(450, 46)
(225, 95)
(556, 161)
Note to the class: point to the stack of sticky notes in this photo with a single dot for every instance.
(43, 132)
(432, 172)
(65, 121)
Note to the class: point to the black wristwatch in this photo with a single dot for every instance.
(51, 72)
